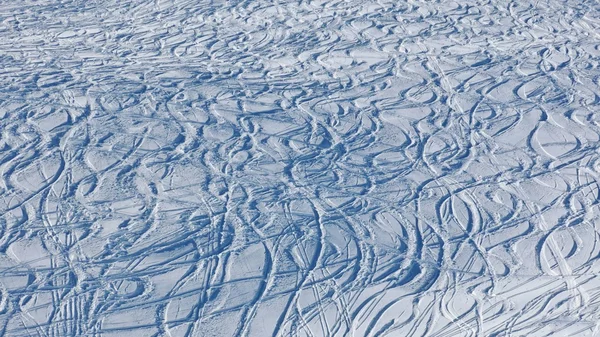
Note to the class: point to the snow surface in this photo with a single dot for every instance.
(310, 168)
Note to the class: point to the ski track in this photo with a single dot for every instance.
(313, 168)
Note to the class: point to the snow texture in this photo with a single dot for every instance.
(299, 168)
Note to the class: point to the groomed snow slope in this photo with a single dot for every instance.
(313, 168)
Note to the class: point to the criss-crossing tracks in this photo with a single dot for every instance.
(313, 168)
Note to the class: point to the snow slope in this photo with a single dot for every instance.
(312, 168)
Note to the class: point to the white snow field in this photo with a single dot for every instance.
(299, 168)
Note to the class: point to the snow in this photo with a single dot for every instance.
(299, 168)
